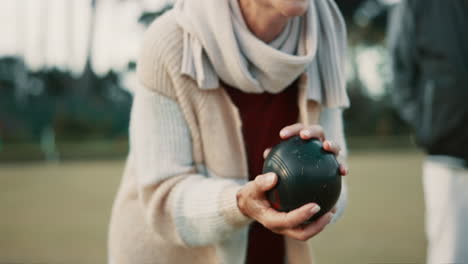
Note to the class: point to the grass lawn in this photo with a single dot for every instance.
(384, 220)
(58, 213)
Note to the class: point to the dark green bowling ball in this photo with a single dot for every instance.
(306, 174)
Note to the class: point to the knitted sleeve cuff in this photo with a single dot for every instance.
(205, 210)
(229, 208)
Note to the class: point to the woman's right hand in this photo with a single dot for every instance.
(252, 202)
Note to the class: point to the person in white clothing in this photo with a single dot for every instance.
(429, 45)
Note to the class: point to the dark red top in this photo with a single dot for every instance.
(263, 116)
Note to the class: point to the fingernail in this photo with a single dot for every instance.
(269, 178)
(284, 133)
(315, 209)
(306, 133)
(345, 171)
(330, 217)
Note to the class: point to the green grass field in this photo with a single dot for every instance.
(58, 213)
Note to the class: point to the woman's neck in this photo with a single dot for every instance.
(262, 19)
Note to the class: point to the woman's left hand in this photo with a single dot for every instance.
(309, 132)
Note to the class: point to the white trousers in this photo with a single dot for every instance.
(446, 198)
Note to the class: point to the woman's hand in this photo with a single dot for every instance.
(252, 202)
(309, 132)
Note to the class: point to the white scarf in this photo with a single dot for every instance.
(219, 45)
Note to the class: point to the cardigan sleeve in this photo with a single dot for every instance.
(331, 119)
(182, 203)
(201, 208)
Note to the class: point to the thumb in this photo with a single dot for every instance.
(266, 152)
(265, 182)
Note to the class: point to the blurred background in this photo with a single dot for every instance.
(67, 70)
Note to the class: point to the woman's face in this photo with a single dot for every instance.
(290, 8)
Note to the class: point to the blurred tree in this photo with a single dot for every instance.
(50, 106)
(348, 7)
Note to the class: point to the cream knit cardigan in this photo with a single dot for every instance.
(177, 200)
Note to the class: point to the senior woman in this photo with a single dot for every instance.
(222, 81)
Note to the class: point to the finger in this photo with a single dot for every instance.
(299, 216)
(291, 130)
(331, 147)
(304, 233)
(275, 220)
(343, 170)
(265, 182)
(314, 131)
(266, 152)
